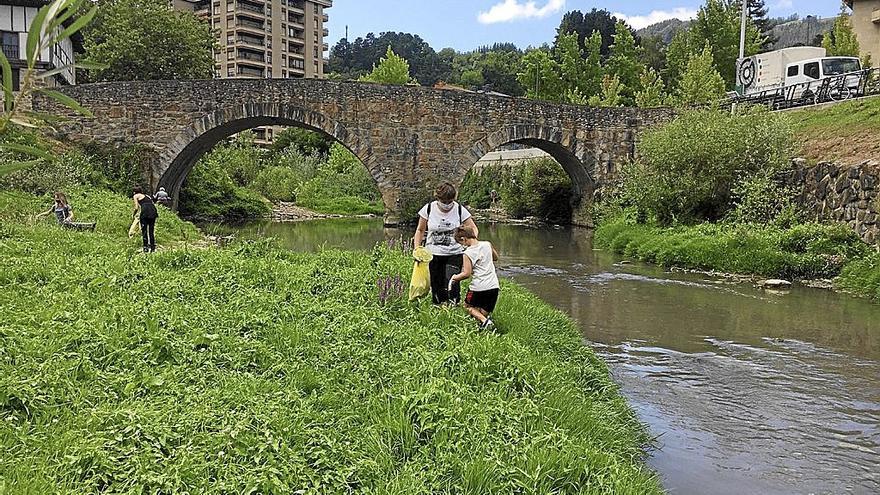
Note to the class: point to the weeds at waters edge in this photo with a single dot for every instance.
(799, 252)
(254, 370)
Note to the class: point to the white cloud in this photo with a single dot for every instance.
(513, 10)
(783, 4)
(640, 21)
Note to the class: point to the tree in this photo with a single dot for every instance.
(624, 61)
(576, 72)
(718, 24)
(145, 40)
(539, 75)
(653, 53)
(585, 25)
(305, 141)
(762, 23)
(652, 93)
(611, 95)
(701, 83)
(355, 59)
(391, 69)
(841, 41)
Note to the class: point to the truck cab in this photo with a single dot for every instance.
(812, 70)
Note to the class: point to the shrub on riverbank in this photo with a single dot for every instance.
(803, 251)
(537, 188)
(690, 168)
(252, 369)
(862, 277)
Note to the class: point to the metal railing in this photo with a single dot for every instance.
(12, 52)
(835, 88)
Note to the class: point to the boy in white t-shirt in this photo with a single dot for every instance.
(479, 263)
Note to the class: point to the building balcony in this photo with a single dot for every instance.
(12, 52)
(251, 57)
(248, 40)
(252, 8)
(250, 72)
(243, 23)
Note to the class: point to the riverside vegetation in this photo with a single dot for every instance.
(709, 193)
(235, 180)
(250, 369)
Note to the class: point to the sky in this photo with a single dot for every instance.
(468, 24)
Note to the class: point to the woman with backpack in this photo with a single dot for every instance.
(438, 221)
(144, 205)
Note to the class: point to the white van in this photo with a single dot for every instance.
(804, 67)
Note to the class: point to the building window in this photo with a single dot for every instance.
(10, 45)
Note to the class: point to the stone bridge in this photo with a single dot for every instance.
(409, 138)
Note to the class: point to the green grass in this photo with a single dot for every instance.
(840, 119)
(803, 251)
(861, 277)
(254, 370)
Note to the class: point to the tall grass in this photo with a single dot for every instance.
(254, 370)
(802, 251)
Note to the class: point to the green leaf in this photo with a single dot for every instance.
(77, 25)
(35, 35)
(67, 101)
(66, 14)
(28, 150)
(10, 167)
(8, 99)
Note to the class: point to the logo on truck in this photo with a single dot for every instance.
(747, 72)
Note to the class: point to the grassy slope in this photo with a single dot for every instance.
(254, 369)
(846, 132)
(804, 251)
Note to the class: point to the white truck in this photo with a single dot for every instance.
(801, 70)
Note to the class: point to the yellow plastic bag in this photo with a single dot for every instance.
(135, 226)
(420, 285)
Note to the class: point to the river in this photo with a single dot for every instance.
(747, 391)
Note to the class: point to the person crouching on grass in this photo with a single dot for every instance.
(479, 263)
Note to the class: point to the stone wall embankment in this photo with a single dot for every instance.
(848, 194)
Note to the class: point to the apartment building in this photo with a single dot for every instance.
(866, 24)
(266, 38)
(15, 22)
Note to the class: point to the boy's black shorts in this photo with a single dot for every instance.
(484, 299)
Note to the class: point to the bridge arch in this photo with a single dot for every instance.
(181, 154)
(572, 154)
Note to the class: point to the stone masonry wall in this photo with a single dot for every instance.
(410, 138)
(847, 194)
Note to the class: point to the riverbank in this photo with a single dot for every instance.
(801, 253)
(253, 368)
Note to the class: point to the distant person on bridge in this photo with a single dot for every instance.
(437, 223)
(146, 209)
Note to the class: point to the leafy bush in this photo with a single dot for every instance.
(862, 277)
(689, 168)
(763, 199)
(277, 183)
(209, 193)
(538, 188)
(342, 185)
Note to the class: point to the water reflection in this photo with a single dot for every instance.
(747, 391)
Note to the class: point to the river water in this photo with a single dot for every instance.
(747, 391)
